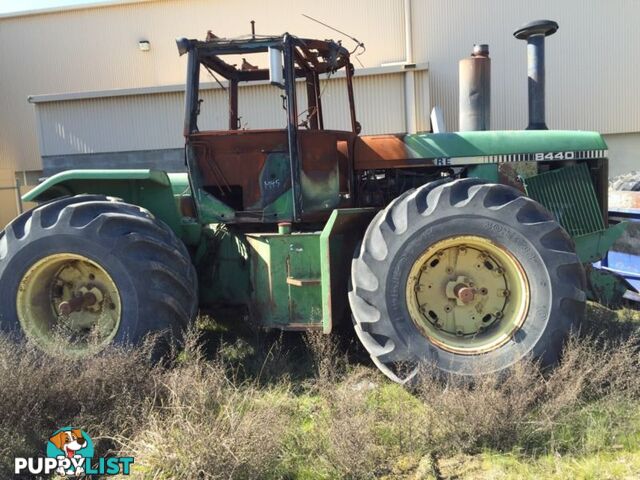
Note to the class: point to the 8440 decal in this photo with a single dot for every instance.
(554, 156)
(536, 157)
(519, 157)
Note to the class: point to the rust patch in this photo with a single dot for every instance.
(380, 151)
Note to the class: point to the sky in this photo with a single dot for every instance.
(7, 6)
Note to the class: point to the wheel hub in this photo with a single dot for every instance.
(464, 294)
(461, 290)
(68, 298)
(467, 294)
(87, 298)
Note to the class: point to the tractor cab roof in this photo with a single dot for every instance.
(311, 56)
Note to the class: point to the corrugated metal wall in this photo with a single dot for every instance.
(110, 124)
(154, 121)
(591, 73)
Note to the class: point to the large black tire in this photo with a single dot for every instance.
(400, 234)
(149, 265)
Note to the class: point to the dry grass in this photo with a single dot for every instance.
(257, 408)
(208, 427)
(529, 410)
(106, 394)
(329, 361)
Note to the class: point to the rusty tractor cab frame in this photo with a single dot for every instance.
(263, 152)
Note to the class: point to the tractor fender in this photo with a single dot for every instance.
(166, 195)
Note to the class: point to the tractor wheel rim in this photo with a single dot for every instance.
(68, 303)
(467, 294)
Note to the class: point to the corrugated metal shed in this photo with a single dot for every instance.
(125, 121)
(591, 74)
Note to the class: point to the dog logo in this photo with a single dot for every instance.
(70, 454)
(73, 444)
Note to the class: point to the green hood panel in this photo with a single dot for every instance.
(482, 144)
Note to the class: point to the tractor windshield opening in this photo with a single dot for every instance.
(283, 79)
(221, 106)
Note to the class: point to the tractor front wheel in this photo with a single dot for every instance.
(80, 273)
(467, 276)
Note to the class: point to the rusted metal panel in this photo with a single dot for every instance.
(247, 169)
(379, 151)
(327, 166)
(236, 159)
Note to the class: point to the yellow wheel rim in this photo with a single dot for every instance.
(467, 294)
(67, 302)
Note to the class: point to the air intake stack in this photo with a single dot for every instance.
(534, 33)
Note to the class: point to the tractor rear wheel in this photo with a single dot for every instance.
(80, 273)
(467, 276)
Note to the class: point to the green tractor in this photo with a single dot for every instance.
(462, 250)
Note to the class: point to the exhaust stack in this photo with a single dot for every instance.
(475, 90)
(534, 33)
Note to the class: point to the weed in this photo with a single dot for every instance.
(267, 407)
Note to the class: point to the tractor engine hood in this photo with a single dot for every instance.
(468, 148)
